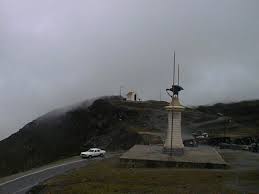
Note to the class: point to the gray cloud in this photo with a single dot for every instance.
(56, 53)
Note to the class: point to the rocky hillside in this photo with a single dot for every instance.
(112, 124)
(59, 135)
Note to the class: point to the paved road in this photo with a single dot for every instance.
(22, 183)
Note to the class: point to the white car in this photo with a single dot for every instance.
(93, 152)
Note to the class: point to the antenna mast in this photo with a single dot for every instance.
(174, 70)
(178, 74)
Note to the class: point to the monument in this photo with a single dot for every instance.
(173, 153)
(173, 141)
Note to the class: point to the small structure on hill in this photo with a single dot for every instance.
(132, 96)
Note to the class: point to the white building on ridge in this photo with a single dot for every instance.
(132, 96)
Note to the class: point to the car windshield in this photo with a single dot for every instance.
(90, 150)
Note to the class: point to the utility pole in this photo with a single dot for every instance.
(121, 90)
(160, 97)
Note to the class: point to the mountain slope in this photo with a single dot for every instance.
(245, 112)
(112, 124)
(50, 138)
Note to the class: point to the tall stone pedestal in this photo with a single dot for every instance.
(173, 142)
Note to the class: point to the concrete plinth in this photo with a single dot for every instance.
(152, 156)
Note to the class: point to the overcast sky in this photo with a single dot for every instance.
(55, 53)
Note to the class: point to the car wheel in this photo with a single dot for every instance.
(90, 156)
(102, 155)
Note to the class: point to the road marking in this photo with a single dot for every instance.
(1, 184)
(25, 188)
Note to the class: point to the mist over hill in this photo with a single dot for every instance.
(66, 132)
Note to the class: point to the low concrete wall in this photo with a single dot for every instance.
(133, 163)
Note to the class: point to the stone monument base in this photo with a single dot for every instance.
(153, 156)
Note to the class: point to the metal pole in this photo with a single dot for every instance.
(174, 70)
(121, 90)
(178, 74)
(171, 153)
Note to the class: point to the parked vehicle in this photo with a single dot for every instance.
(200, 135)
(254, 147)
(190, 143)
(93, 152)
